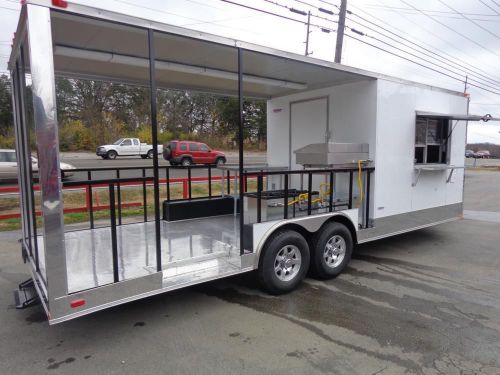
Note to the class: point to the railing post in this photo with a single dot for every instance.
(167, 175)
(144, 196)
(259, 197)
(330, 196)
(309, 191)
(114, 246)
(90, 201)
(209, 181)
(350, 189)
(189, 181)
(367, 199)
(119, 198)
(285, 199)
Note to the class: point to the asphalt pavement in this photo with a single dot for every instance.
(426, 302)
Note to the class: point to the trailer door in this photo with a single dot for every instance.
(308, 124)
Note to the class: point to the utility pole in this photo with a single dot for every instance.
(340, 31)
(308, 32)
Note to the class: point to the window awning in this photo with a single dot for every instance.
(456, 117)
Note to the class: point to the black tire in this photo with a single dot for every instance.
(150, 154)
(220, 161)
(144, 156)
(186, 162)
(104, 157)
(328, 265)
(112, 154)
(268, 275)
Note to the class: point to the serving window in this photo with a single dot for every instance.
(431, 140)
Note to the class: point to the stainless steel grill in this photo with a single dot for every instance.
(331, 154)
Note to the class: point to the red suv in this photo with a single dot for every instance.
(186, 153)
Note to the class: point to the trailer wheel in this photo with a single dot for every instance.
(150, 154)
(331, 250)
(284, 262)
(112, 154)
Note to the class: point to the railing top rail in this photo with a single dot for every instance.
(307, 171)
(106, 181)
(140, 167)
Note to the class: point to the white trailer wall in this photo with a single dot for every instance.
(397, 104)
(351, 113)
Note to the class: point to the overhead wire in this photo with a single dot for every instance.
(469, 19)
(451, 29)
(480, 79)
(380, 21)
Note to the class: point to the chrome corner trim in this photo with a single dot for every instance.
(47, 139)
(407, 222)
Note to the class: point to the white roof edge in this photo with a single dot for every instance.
(139, 21)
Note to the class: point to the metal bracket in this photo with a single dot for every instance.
(416, 177)
(448, 180)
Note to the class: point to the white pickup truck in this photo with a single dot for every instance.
(127, 147)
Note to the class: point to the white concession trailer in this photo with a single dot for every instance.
(352, 156)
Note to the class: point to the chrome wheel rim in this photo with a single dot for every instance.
(334, 252)
(287, 263)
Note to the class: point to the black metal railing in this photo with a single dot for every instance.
(296, 196)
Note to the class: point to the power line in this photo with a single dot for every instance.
(469, 66)
(417, 63)
(419, 57)
(428, 10)
(441, 58)
(482, 2)
(469, 19)
(453, 30)
(464, 68)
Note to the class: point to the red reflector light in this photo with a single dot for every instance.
(60, 3)
(77, 303)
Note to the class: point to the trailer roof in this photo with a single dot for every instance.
(103, 45)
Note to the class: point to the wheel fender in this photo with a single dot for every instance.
(308, 224)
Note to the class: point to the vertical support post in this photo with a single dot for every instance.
(144, 195)
(30, 187)
(340, 31)
(367, 199)
(154, 131)
(119, 198)
(350, 189)
(91, 201)
(285, 199)
(228, 181)
(45, 114)
(114, 245)
(189, 183)
(259, 197)
(167, 176)
(23, 161)
(309, 191)
(240, 146)
(209, 181)
(330, 196)
(308, 33)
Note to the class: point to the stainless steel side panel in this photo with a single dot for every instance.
(396, 224)
(44, 106)
(105, 296)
